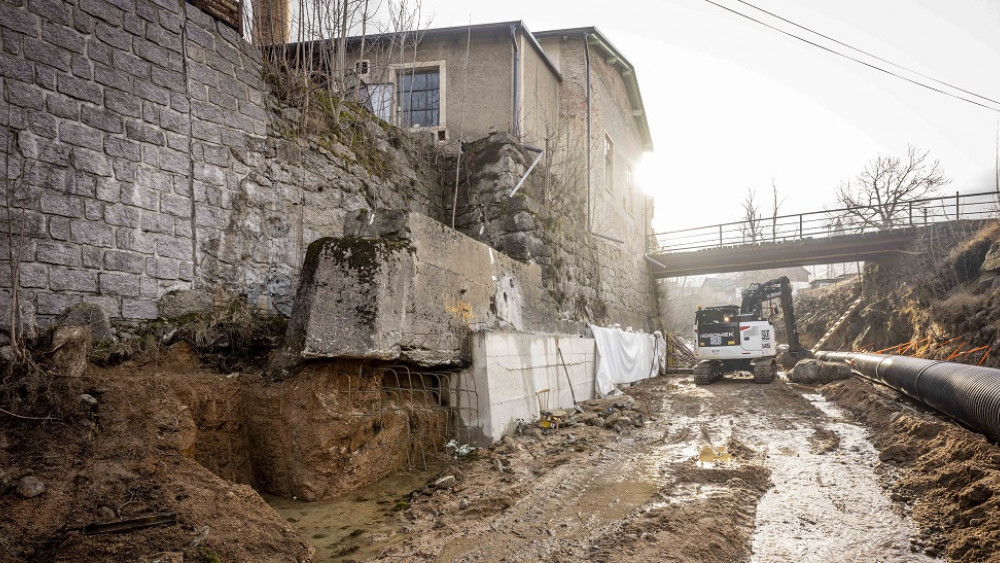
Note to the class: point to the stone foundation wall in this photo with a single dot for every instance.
(590, 279)
(143, 154)
(118, 123)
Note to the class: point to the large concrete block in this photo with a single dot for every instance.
(415, 300)
(514, 376)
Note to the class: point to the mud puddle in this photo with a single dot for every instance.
(357, 526)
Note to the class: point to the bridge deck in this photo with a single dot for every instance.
(760, 256)
(820, 237)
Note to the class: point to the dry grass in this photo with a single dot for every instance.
(233, 336)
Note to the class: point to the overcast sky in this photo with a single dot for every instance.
(732, 104)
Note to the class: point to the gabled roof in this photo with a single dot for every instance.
(617, 59)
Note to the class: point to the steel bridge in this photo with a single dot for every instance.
(819, 237)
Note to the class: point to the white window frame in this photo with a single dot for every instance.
(398, 69)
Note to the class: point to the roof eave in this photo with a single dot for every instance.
(594, 36)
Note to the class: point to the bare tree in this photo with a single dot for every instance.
(16, 170)
(751, 228)
(882, 193)
(775, 206)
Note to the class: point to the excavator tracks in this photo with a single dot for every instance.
(706, 373)
(765, 372)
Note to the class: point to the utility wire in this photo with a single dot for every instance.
(846, 56)
(862, 51)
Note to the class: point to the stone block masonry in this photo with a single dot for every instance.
(142, 157)
(110, 170)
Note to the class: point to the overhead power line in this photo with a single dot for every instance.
(860, 61)
(862, 51)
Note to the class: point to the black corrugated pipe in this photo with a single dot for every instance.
(970, 394)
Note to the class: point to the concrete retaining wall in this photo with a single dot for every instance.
(510, 369)
(415, 298)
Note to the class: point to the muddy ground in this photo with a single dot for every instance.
(729, 472)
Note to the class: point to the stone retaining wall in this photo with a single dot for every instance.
(145, 154)
(121, 121)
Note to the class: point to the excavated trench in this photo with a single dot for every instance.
(333, 428)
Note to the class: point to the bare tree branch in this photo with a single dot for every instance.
(751, 228)
(883, 193)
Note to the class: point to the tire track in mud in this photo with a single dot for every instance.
(732, 471)
(565, 510)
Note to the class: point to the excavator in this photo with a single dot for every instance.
(734, 339)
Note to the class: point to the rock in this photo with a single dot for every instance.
(185, 302)
(70, 346)
(30, 487)
(895, 453)
(446, 482)
(89, 315)
(625, 402)
(596, 421)
(612, 418)
(6, 353)
(833, 371)
(806, 371)
(991, 263)
(463, 504)
(89, 400)
(199, 538)
(106, 514)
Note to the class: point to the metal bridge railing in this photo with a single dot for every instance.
(830, 223)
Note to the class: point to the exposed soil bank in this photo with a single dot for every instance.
(946, 476)
(163, 435)
(128, 454)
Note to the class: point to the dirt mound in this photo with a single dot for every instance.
(948, 476)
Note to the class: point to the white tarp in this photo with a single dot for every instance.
(623, 357)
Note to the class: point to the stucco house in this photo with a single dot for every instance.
(569, 92)
(566, 90)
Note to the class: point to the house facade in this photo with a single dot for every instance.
(569, 95)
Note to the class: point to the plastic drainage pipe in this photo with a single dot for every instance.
(970, 394)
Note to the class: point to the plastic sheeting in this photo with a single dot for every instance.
(623, 357)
